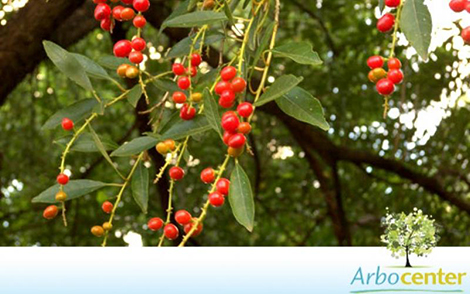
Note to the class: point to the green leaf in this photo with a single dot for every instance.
(195, 19)
(134, 95)
(136, 146)
(183, 47)
(184, 128)
(112, 62)
(211, 111)
(68, 64)
(381, 5)
(181, 9)
(76, 112)
(416, 24)
(241, 198)
(302, 106)
(86, 143)
(140, 187)
(103, 151)
(263, 44)
(300, 52)
(280, 87)
(166, 85)
(228, 13)
(93, 69)
(74, 189)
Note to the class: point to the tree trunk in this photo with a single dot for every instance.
(408, 257)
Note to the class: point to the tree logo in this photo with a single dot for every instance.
(406, 234)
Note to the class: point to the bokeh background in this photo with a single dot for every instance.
(311, 187)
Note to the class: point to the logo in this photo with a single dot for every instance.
(406, 235)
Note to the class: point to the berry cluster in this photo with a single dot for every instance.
(459, 6)
(99, 231)
(385, 81)
(387, 21)
(131, 10)
(183, 217)
(229, 86)
(187, 112)
(107, 16)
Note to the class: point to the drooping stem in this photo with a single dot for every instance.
(121, 192)
(206, 205)
(395, 30)
(169, 210)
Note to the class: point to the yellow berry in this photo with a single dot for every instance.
(162, 148)
(60, 196)
(98, 231)
(107, 226)
(196, 97)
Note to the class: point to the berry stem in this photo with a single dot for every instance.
(245, 38)
(203, 214)
(119, 196)
(270, 55)
(64, 217)
(170, 191)
(395, 30)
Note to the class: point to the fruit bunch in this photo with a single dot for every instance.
(459, 6)
(183, 217)
(131, 10)
(187, 112)
(385, 81)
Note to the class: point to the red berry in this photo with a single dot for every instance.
(102, 11)
(222, 86)
(105, 24)
(196, 59)
(141, 5)
(183, 217)
(386, 23)
(225, 103)
(245, 109)
(208, 175)
(228, 95)
(375, 61)
(136, 57)
(138, 44)
(458, 5)
(184, 83)
(392, 3)
(189, 226)
(230, 123)
(171, 231)
(50, 212)
(62, 179)
(139, 21)
(226, 137)
(228, 73)
(187, 112)
(179, 97)
(466, 35)
(237, 140)
(244, 128)
(216, 199)
(107, 207)
(467, 6)
(178, 69)
(127, 13)
(228, 113)
(395, 75)
(122, 48)
(155, 223)
(176, 173)
(238, 85)
(117, 10)
(67, 124)
(99, 1)
(192, 71)
(223, 186)
(394, 63)
(385, 87)
(127, 1)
